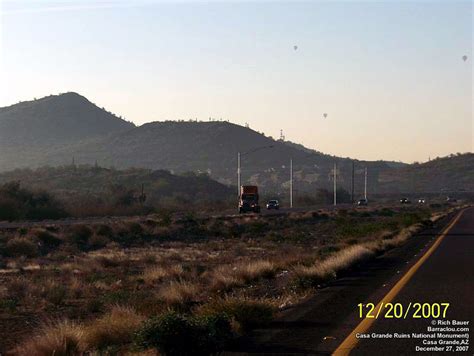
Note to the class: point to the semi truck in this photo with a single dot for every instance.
(248, 199)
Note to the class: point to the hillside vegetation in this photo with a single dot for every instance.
(95, 191)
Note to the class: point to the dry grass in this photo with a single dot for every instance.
(253, 270)
(327, 269)
(63, 338)
(159, 273)
(115, 328)
(178, 292)
(397, 240)
(224, 278)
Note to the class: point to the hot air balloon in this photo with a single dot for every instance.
(325, 115)
(464, 58)
(295, 47)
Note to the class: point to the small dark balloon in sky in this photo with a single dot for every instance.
(295, 47)
(325, 115)
(464, 58)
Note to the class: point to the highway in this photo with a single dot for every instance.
(445, 276)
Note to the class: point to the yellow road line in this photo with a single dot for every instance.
(351, 341)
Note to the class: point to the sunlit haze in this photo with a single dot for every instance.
(390, 75)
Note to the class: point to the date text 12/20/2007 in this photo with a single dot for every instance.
(400, 311)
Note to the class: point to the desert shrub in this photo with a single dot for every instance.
(411, 218)
(63, 338)
(21, 246)
(257, 227)
(20, 203)
(235, 230)
(18, 288)
(79, 236)
(104, 230)
(22, 231)
(48, 240)
(55, 293)
(135, 228)
(8, 305)
(247, 313)
(10, 209)
(94, 305)
(328, 249)
(165, 218)
(98, 241)
(386, 212)
(176, 334)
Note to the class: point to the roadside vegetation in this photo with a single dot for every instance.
(177, 285)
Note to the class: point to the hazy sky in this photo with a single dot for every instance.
(389, 74)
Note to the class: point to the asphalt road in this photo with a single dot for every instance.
(446, 276)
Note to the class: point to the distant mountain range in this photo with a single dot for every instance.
(58, 129)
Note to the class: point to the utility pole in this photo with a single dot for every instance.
(365, 184)
(352, 184)
(291, 183)
(335, 184)
(238, 173)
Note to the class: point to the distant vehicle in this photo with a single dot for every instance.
(451, 200)
(248, 200)
(421, 201)
(273, 204)
(362, 202)
(405, 201)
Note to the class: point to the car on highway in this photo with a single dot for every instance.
(273, 204)
(405, 201)
(451, 200)
(421, 201)
(362, 202)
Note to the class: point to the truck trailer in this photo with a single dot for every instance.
(248, 199)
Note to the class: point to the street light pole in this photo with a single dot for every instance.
(291, 183)
(335, 184)
(365, 184)
(238, 173)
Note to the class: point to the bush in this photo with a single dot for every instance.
(98, 241)
(247, 313)
(135, 228)
(18, 203)
(79, 236)
(176, 334)
(105, 230)
(47, 239)
(55, 294)
(21, 246)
